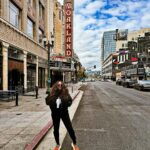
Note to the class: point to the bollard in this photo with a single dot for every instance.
(16, 97)
(36, 90)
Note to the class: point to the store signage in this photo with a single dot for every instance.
(134, 59)
(59, 58)
(68, 29)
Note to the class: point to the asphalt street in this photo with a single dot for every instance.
(112, 117)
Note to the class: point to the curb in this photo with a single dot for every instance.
(42, 133)
(38, 137)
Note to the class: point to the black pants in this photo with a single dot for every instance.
(64, 115)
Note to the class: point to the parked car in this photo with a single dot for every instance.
(119, 81)
(128, 83)
(93, 80)
(142, 85)
(83, 79)
(104, 80)
(87, 80)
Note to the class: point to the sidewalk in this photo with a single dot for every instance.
(19, 125)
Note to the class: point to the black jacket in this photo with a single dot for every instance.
(66, 101)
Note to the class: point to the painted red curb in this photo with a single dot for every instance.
(38, 137)
(42, 133)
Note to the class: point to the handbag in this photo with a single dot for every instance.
(50, 100)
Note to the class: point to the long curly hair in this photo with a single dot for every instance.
(55, 90)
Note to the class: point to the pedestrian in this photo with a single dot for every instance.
(59, 100)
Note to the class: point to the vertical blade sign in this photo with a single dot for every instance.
(68, 29)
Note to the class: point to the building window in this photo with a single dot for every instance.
(60, 15)
(41, 11)
(13, 15)
(30, 28)
(41, 35)
(30, 2)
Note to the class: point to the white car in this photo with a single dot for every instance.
(93, 80)
(142, 85)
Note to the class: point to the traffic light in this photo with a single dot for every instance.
(94, 66)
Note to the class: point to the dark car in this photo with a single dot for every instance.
(128, 83)
(142, 85)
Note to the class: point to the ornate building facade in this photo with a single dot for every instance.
(23, 56)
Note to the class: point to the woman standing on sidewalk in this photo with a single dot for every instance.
(59, 100)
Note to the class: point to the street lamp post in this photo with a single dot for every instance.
(49, 46)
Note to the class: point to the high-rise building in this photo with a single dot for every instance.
(108, 44)
(112, 41)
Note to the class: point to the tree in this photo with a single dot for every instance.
(81, 73)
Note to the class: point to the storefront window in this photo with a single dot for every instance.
(31, 77)
(13, 15)
(31, 72)
(30, 28)
(31, 58)
(41, 78)
(15, 53)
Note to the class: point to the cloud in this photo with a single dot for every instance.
(91, 8)
(145, 20)
(93, 17)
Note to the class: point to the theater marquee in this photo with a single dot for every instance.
(68, 29)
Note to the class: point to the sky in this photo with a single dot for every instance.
(93, 17)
